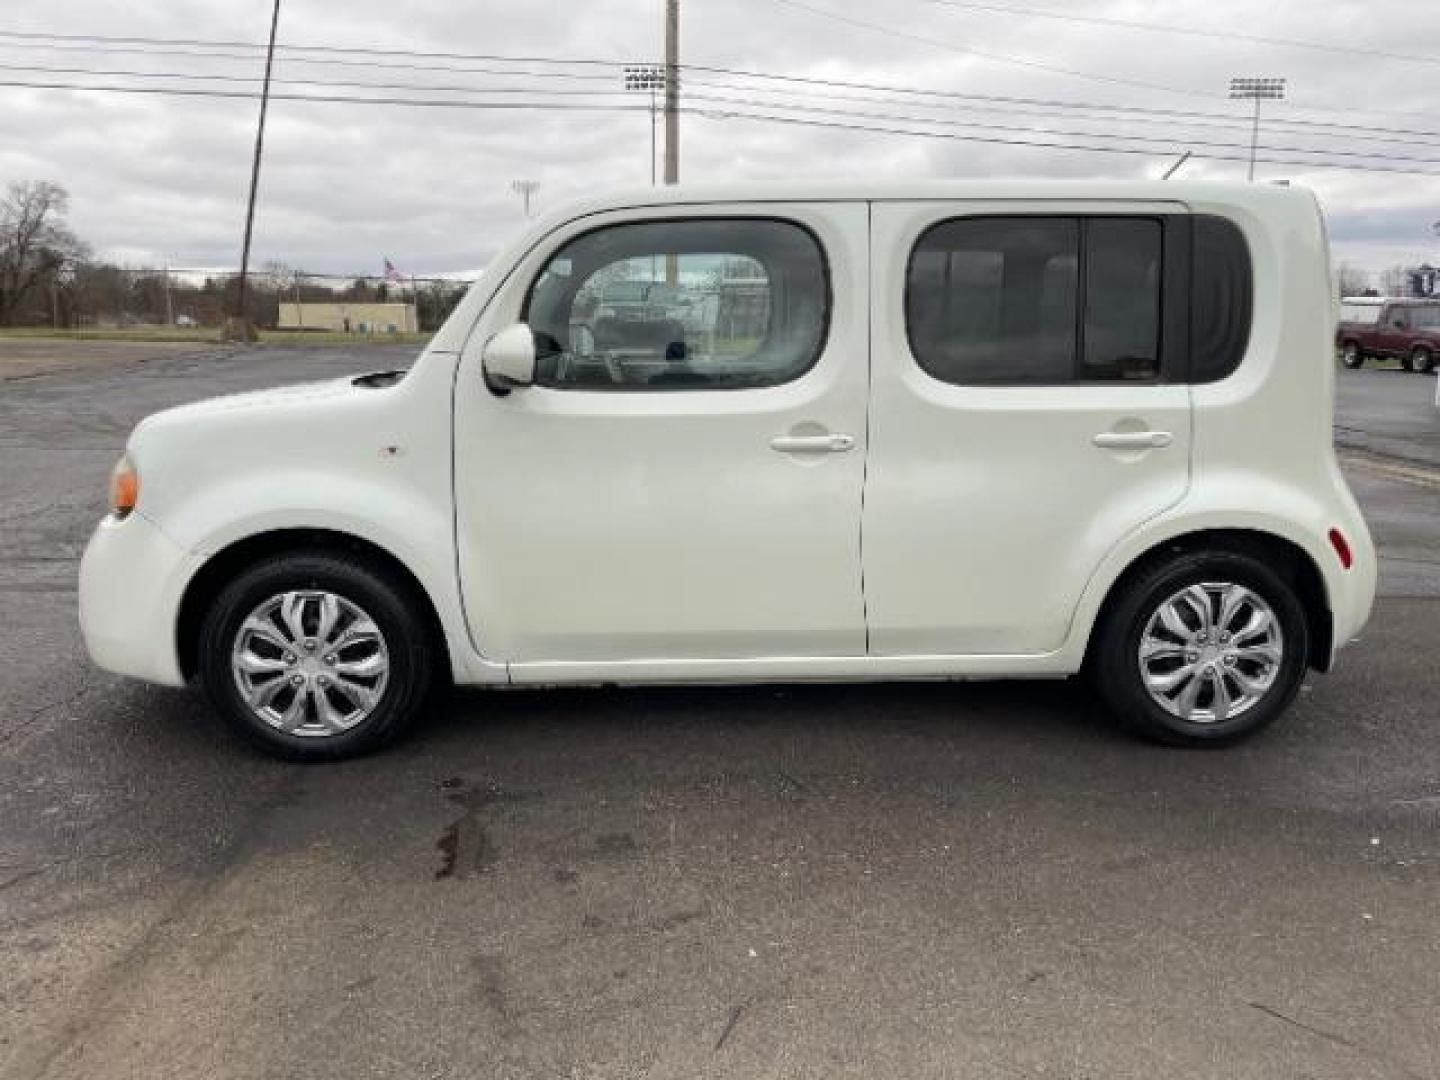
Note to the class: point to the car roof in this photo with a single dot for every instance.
(1226, 194)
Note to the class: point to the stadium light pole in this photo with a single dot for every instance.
(648, 78)
(242, 322)
(526, 190)
(1256, 90)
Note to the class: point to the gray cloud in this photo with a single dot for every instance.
(156, 179)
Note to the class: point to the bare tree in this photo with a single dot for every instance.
(35, 245)
(1352, 280)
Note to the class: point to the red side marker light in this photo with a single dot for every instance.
(1342, 548)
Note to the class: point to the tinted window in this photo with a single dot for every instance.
(1427, 318)
(998, 300)
(701, 305)
(1122, 298)
(1221, 298)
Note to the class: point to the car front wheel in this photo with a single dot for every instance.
(1351, 356)
(1203, 650)
(316, 656)
(1422, 361)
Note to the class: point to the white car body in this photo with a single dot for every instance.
(567, 536)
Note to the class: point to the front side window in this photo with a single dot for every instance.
(701, 304)
(1037, 300)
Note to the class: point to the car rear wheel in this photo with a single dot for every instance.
(1203, 650)
(1422, 360)
(316, 656)
(1351, 356)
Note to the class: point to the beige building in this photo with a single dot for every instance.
(350, 318)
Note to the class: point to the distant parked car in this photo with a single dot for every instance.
(1372, 327)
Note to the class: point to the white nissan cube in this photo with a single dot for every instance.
(746, 434)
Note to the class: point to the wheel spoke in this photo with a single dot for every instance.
(292, 611)
(1185, 703)
(254, 664)
(1153, 648)
(261, 695)
(1264, 653)
(265, 630)
(367, 667)
(1231, 600)
(361, 695)
(332, 718)
(294, 714)
(1170, 617)
(329, 616)
(1220, 700)
(1260, 622)
(1199, 600)
(1169, 680)
(361, 629)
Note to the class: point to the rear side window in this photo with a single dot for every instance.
(1221, 298)
(1037, 300)
(701, 304)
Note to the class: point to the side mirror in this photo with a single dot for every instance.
(508, 358)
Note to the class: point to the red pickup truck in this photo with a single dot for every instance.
(1374, 327)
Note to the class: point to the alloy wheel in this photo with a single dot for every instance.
(1211, 652)
(310, 663)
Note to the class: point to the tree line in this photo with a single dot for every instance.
(49, 277)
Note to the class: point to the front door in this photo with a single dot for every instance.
(684, 480)
(1027, 413)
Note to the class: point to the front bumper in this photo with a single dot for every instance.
(132, 579)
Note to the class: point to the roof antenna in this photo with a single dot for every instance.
(1173, 169)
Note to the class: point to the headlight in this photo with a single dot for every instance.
(124, 487)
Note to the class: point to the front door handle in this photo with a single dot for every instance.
(1133, 440)
(813, 444)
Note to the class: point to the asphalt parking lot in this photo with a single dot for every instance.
(910, 881)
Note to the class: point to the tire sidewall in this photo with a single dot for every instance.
(406, 640)
(1351, 356)
(1119, 668)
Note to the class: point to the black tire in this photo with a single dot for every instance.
(388, 601)
(1114, 656)
(1421, 361)
(1351, 356)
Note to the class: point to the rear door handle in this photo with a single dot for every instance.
(813, 444)
(1133, 440)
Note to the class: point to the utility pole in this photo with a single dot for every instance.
(526, 190)
(241, 325)
(672, 91)
(169, 299)
(1256, 90)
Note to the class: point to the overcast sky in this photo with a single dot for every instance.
(156, 179)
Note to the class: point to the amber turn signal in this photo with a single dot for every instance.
(124, 486)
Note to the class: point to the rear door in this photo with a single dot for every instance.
(1028, 410)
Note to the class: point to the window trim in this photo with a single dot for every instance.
(822, 341)
(1172, 317)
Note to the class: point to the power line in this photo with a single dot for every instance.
(1189, 31)
(1042, 108)
(117, 44)
(1173, 142)
(905, 35)
(750, 113)
(997, 141)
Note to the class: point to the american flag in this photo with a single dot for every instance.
(391, 273)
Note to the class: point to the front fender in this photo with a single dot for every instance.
(394, 517)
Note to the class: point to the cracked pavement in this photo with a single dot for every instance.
(976, 880)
